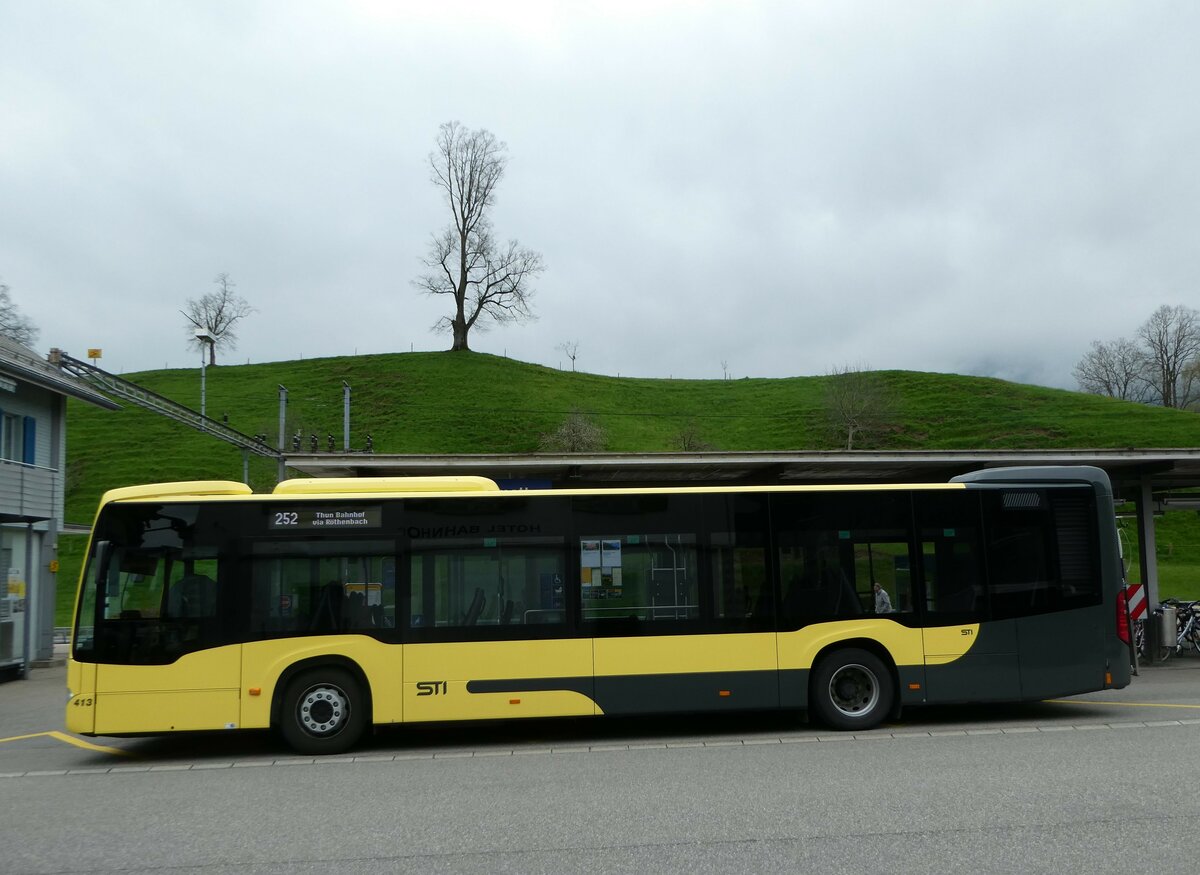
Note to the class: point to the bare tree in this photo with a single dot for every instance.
(858, 404)
(1116, 369)
(217, 314)
(486, 279)
(570, 349)
(1172, 342)
(577, 434)
(724, 369)
(13, 324)
(689, 440)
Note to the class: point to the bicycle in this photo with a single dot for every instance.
(1188, 620)
(1187, 624)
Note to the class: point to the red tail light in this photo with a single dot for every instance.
(1122, 618)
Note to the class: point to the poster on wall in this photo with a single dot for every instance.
(600, 568)
(610, 553)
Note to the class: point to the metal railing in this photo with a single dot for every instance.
(113, 385)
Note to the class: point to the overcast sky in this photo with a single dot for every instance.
(976, 188)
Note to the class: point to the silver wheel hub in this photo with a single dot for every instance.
(854, 690)
(323, 709)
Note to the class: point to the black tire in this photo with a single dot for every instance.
(851, 689)
(324, 712)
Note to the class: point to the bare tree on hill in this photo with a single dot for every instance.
(1172, 341)
(217, 314)
(1114, 369)
(13, 324)
(570, 349)
(858, 405)
(1160, 366)
(487, 280)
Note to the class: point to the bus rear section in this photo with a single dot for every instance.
(1055, 597)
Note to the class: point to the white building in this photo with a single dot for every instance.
(33, 461)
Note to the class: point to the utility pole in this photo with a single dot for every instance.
(204, 338)
(282, 475)
(345, 417)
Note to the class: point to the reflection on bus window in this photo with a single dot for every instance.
(741, 588)
(318, 587)
(833, 549)
(486, 582)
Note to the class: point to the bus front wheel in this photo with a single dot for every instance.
(851, 689)
(324, 712)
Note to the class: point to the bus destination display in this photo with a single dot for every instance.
(327, 518)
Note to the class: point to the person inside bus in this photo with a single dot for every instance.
(883, 602)
(327, 617)
(355, 615)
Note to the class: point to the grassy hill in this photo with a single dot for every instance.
(478, 403)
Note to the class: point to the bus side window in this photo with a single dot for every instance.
(883, 560)
(741, 596)
(316, 587)
(741, 588)
(492, 586)
(953, 584)
(831, 550)
(135, 591)
(132, 596)
(639, 577)
(952, 576)
(1041, 548)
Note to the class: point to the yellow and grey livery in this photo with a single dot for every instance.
(203, 606)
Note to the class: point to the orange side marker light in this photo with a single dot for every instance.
(724, 694)
(914, 686)
(255, 691)
(514, 701)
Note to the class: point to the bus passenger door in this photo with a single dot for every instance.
(487, 632)
(967, 656)
(675, 591)
(164, 661)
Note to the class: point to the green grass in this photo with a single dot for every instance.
(432, 403)
(1177, 541)
(71, 550)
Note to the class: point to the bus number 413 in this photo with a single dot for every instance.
(431, 688)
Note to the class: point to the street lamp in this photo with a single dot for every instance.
(203, 337)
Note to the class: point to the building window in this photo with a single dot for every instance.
(11, 447)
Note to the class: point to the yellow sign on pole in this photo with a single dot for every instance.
(95, 353)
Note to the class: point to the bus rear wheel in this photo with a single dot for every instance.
(851, 689)
(324, 712)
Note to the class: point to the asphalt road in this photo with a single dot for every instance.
(1101, 783)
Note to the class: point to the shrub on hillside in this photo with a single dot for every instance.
(577, 434)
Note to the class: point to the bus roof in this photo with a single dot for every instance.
(400, 487)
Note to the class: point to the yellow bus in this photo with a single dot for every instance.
(333, 605)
